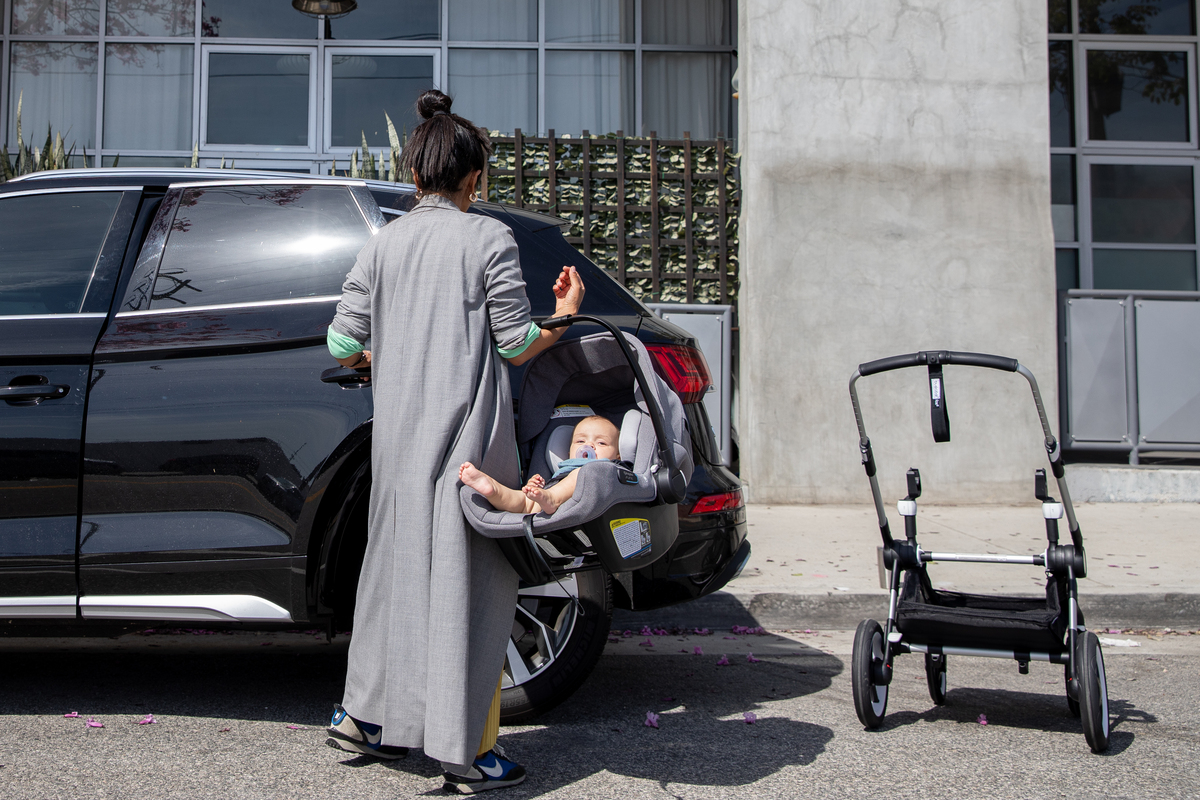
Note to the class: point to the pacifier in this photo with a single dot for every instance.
(585, 451)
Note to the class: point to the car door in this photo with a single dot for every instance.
(207, 419)
(60, 253)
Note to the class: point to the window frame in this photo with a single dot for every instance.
(1119, 43)
(327, 83)
(311, 52)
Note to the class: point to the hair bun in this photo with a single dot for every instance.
(431, 102)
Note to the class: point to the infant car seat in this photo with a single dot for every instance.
(626, 511)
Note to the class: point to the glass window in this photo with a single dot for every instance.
(1062, 96)
(1059, 14)
(49, 249)
(147, 161)
(254, 243)
(1173, 270)
(1062, 197)
(366, 86)
(56, 17)
(608, 21)
(55, 84)
(1137, 96)
(258, 98)
(1136, 17)
(493, 20)
(391, 19)
(1066, 269)
(154, 18)
(140, 80)
(1139, 203)
(265, 19)
(589, 91)
(687, 22)
(496, 89)
(686, 92)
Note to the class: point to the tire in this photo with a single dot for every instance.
(870, 699)
(1072, 703)
(935, 677)
(1093, 692)
(553, 649)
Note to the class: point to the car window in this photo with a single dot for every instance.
(245, 244)
(48, 249)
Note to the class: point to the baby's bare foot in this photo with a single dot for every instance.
(536, 481)
(478, 481)
(543, 498)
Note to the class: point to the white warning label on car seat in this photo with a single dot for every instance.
(567, 411)
(632, 535)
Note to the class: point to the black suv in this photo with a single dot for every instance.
(169, 452)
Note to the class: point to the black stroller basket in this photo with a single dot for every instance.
(626, 512)
(938, 623)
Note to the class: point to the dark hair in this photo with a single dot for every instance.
(445, 148)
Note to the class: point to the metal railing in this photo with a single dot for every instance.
(1132, 375)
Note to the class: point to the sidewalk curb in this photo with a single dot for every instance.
(844, 610)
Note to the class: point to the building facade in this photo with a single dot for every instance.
(258, 82)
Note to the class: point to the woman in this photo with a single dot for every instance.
(439, 292)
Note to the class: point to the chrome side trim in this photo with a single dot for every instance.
(183, 607)
(326, 298)
(91, 315)
(68, 190)
(56, 607)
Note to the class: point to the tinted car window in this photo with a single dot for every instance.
(243, 244)
(48, 249)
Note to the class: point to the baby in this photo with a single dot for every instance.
(594, 438)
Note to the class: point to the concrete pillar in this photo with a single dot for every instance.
(896, 198)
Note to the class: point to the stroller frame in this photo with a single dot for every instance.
(874, 647)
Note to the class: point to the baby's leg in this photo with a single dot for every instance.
(550, 499)
(501, 497)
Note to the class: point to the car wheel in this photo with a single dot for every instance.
(555, 643)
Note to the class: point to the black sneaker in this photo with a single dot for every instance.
(490, 771)
(347, 733)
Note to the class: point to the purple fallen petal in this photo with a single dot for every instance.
(702, 631)
(750, 657)
(646, 643)
(750, 717)
(627, 634)
(148, 720)
(75, 714)
(982, 719)
(730, 637)
(646, 630)
(223, 730)
(651, 720)
(722, 662)
(91, 723)
(698, 650)
(294, 728)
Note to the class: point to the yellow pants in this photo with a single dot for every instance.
(491, 728)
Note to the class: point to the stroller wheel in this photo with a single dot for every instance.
(870, 698)
(1093, 692)
(1072, 703)
(935, 676)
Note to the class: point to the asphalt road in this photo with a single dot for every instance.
(241, 716)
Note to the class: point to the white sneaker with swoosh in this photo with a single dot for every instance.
(489, 771)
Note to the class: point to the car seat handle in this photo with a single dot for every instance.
(670, 481)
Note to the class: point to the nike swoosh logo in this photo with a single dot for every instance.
(373, 740)
(492, 772)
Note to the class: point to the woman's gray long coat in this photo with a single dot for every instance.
(437, 292)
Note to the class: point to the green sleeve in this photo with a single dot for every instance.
(533, 333)
(342, 346)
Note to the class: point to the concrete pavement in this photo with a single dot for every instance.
(815, 566)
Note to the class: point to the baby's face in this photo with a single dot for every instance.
(601, 434)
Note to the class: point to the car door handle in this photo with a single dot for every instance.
(348, 378)
(35, 392)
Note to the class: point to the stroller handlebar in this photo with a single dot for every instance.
(938, 357)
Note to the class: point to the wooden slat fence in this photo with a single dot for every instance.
(660, 215)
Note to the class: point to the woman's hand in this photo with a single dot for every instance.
(358, 360)
(568, 292)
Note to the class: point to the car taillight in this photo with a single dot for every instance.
(712, 503)
(684, 368)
